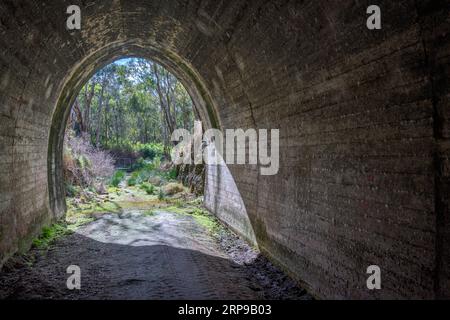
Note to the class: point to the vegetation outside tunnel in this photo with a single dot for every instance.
(127, 110)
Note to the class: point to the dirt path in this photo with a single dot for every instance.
(137, 255)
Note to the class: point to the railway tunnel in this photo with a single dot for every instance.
(364, 175)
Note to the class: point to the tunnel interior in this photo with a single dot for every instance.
(364, 127)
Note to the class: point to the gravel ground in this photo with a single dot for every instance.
(273, 283)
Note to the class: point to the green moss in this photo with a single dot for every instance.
(207, 223)
(140, 205)
(51, 234)
(113, 191)
(207, 220)
(201, 216)
(96, 207)
(76, 217)
(176, 209)
(77, 220)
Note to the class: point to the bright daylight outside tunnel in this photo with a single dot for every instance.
(224, 150)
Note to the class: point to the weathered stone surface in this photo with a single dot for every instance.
(193, 176)
(363, 117)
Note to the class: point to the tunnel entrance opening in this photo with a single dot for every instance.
(117, 142)
(221, 194)
(201, 104)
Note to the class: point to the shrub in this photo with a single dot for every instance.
(170, 174)
(142, 175)
(161, 195)
(85, 165)
(150, 150)
(117, 178)
(148, 187)
(71, 190)
(135, 175)
(131, 182)
(139, 164)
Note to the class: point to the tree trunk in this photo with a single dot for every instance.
(99, 116)
(78, 116)
(87, 105)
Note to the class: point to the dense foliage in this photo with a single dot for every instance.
(132, 105)
(126, 111)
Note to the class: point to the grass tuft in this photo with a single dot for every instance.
(50, 234)
(117, 178)
(148, 188)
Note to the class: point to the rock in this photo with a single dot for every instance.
(156, 181)
(193, 177)
(173, 188)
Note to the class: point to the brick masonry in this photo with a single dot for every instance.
(364, 123)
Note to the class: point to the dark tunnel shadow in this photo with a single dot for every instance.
(114, 271)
